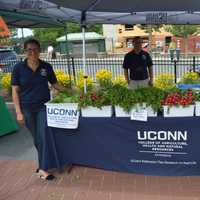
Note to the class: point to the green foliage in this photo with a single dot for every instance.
(64, 97)
(121, 96)
(190, 78)
(48, 34)
(182, 30)
(1, 76)
(95, 99)
(127, 99)
(197, 96)
(51, 34)
(151, 96)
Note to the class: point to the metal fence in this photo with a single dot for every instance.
(114, 64)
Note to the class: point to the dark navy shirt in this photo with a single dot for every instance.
(34, 89)
(137, 64)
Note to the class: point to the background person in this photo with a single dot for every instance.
(30, 92)
(50, 51)
(138, 70)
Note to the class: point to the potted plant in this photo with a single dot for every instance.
(120, 80)
(104, 78)
(80, 83)
(122, 99)
(190, 80)
(5, 86)
(178, 103)
(149, 98)
(127, 101)
(164, 81)
(95, 104)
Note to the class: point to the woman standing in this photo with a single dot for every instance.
(30, 92)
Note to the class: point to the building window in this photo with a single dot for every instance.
(129, 43)
(128, 27)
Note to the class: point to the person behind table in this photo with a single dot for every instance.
(138, 70)
(30, 92)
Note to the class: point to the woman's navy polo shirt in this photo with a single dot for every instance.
(137, 64)
(34, 89)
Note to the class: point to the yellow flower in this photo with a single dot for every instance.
(164, 81)
(120, 80)
(6, 81)
(104, 77)
(62, 78)
(80, 82)
(190, 77)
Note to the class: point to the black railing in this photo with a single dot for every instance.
(72, 65)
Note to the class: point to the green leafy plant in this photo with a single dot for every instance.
(197, 96)
(151, 96)
(104, 78)
(190, 78)
(120, 95)
(94, 98)
(65, 97)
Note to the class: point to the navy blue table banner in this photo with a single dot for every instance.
(161, 146)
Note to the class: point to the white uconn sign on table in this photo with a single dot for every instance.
(64, 115)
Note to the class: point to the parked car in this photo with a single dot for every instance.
(8, 59)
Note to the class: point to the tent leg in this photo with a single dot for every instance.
(84, 60)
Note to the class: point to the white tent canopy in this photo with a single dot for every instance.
(109, 11)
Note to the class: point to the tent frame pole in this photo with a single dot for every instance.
(68, 56)
(83, 27)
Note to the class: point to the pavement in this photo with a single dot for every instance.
(17, 145)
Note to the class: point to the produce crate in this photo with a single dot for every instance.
(178, 111)
(90, 111)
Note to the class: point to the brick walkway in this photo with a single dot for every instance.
(18, 182)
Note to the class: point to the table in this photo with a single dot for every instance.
(7, 122)
(161, 146)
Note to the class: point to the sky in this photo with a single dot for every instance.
(26, 31)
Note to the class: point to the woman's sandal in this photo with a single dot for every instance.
(48, 178)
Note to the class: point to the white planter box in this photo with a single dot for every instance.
(105, 111)
(197, 108)
(119, 112)
(178, 111)
(62, 115)
(150, 111)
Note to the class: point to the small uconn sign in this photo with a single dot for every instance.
(64, 115)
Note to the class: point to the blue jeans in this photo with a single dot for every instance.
(36, 123)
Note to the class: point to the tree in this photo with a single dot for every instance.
(183, 31)
(51, 34)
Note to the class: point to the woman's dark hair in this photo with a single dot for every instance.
(31, 41)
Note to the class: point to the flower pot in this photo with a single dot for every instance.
(197, 108)
(90, 111)
(119, 112)
(178, 111)
(150, 111)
